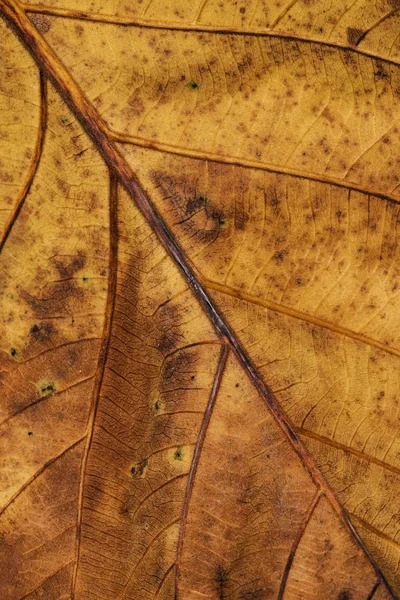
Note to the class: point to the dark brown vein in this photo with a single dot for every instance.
(46, 397)
(35, 160)
(247, 164)
(296, 543)
(375, 531)
(372, 592)
(347, 449)
(196, 458)
(106, 338)
(95, 128)
(54, 349)
(193, 28)
(38, 473)
(296, 314)
(151, 544)
(163, 580)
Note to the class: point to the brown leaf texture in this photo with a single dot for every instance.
(199, 299)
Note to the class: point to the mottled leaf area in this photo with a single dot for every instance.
(199, 300)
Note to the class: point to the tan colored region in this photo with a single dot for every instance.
(366, 24)
(280, 103)
(319, 252)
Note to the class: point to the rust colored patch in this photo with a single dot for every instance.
(41, 22)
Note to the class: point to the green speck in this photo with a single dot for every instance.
(193, 85)
(65, 120)
(14, 353)
(47, 388)
(157, 405)
(178, 455)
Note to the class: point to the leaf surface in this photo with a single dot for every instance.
(199, 299)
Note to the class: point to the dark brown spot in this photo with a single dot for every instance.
(380, 72)
(354, 35)
(70, 265)
(279, 256)
(41, 333)
(195, 204)
(221, 579)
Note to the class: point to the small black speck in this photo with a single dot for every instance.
(30, 433)
(48, 388)
(193, 85)
(138, 470)
(14, 352)
(178, 453)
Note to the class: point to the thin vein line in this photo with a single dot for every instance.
(106, 339)
(95, 128)
(163, 580)
(376, 24)
(349, 449)
(46, 579)
(296, 543)
(45, 397)
(375, 531)
(35, 160)
(196, 458)
(175, 26)
(372, 592)
(38, 473)
(296, 314)
(245, 163)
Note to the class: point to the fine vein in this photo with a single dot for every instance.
(34, 163)
(196, 459)
(175, 26)
(247, 164)
(296, 542)
(296, 314)
(106, 338)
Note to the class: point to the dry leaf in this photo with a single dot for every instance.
(199, 300)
